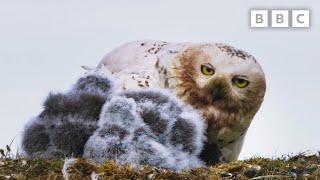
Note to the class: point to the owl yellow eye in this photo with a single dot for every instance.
(207, 70)
(240, 82)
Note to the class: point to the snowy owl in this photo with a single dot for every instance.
(226, 85)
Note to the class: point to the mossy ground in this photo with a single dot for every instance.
(299, 167)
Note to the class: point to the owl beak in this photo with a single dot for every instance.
(217, 94)
(219, 89)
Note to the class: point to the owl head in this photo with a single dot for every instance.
(225, 83)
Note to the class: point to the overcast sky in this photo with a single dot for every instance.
(43, 44)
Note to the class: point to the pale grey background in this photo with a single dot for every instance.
(44, 43)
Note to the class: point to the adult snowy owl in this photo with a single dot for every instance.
(226, 85)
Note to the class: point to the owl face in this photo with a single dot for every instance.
(220, 76)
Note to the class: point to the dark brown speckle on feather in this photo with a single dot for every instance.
(235, 52)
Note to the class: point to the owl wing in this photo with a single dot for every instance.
(134, 64)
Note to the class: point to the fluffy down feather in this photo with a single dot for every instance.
(68, 120)
(148, 127)
(139, 127)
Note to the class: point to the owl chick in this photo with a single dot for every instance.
(148, 127)
(226, 85)
(68, 120)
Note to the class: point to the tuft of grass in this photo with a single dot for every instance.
(300, 166)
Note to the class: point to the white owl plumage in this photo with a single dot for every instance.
(228, 109)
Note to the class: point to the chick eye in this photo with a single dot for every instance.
(207, 70)
(240, 82)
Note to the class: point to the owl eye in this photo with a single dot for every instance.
(206, 70)
(240, 82)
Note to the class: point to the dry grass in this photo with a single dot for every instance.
(300, 166)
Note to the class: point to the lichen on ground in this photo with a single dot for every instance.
(295, 167)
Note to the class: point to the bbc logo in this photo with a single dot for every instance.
(280, 18)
